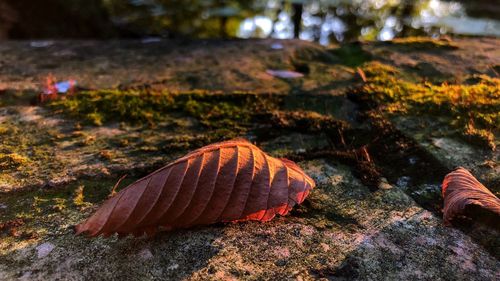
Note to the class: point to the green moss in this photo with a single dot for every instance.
(472, 109)
(214, 110)
(43, 210)
(223, 114)
(306, 121)
(97, 107)
(95, 118)
(26, 152)
(79, 198)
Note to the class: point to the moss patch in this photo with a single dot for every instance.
(473, 110)
(423, 43)
(97, 107)
(219, 114)
(12, 161)
(23, 147)
(42, 211)
(149, 107)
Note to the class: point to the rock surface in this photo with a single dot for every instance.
(374, 215)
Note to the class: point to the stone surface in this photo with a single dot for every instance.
(60, 169)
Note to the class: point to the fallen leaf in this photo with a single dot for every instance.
(222, 182)
(463, 194)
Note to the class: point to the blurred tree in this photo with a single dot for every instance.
(482, 8)
(55, 19)
(8, 17)
(298, 7)
(319, 20)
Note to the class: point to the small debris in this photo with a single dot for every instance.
(11, 226)
(383, 184)
(412, 160)
(148, 40)
(286, 74)
(44, 249)
(403, 182)
(361, 74)
(439, 143)
(173, 266)
(26, 275)
(281, 262)
(145, 254)
(113, 190)
(53, 88)
(65, 86)
(363, 154)
(277, 46)
(325, 247)
(3, 206)
(41, 44)
(106, 154)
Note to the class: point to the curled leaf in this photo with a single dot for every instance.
(222, 182)
(465, 196)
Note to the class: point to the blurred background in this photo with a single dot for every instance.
(323, 21)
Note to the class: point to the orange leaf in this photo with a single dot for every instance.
(462, 192)
(221, 182)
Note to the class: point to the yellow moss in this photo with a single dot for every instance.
(95, 118)
(12, 161)
(418, 42)
(78, 198)
(481, 136)
(37, 202)
(3, 129)
(88, 140)
(27, 154)
(214, 110)
(474, 109)
(97, 107)
(59, 204)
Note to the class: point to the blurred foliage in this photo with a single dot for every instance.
(344, 19)
(54, 19)
(316, 20)
(205, 18)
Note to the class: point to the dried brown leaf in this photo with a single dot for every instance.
(222, 182)
(462, 192)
